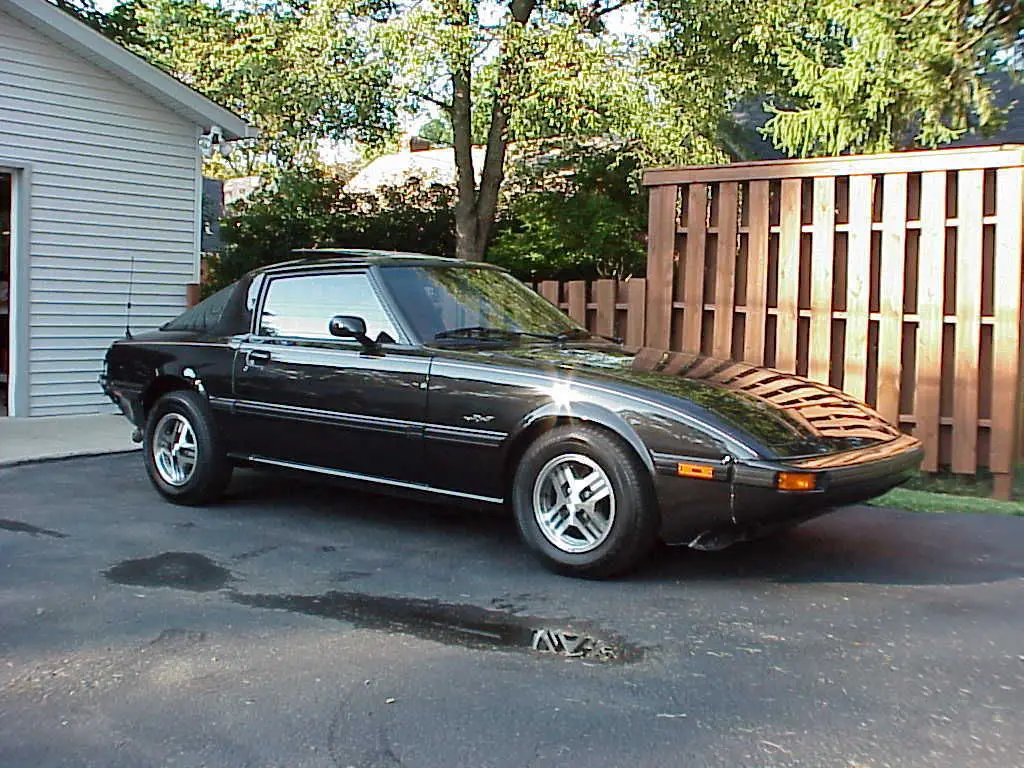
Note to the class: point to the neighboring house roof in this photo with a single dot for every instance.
(742, 135)
(1008, 95)
(240, 188)
(69, 32)
(435, 166)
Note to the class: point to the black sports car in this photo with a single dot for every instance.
(451, 380)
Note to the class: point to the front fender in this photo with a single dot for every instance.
(584, 412)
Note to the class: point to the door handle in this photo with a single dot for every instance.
(257, 357)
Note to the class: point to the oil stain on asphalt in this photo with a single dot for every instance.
(468, 626)
(178, 570)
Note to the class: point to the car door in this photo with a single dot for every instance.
(304, 397)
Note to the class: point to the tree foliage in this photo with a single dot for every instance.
(577, 214)
(310, 209)
(889, 74)
(299, 71)
(528, 69)
(860, 75)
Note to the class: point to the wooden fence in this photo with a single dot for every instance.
(896, 278)
(609, 307)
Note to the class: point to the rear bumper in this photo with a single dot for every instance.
(749, 504)
(128, 399)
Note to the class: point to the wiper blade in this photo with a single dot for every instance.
(575, 333)
(486, 332)
(476, 332)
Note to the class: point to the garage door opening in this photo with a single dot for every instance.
(5, 292)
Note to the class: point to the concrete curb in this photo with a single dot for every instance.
(21, 462)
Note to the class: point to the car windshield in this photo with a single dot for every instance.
(466, 302)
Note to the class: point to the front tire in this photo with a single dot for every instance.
(184, 458)
(583, 503)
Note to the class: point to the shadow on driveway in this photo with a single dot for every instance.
(853, 545)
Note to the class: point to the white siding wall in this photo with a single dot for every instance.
(114, 176)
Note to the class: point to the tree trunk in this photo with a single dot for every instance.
(476, 208)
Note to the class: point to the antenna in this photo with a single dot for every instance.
(128, 309)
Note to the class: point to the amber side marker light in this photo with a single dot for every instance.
(796, 481)
(696, 471)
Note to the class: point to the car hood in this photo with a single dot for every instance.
(790, 415)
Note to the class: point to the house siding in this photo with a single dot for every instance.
(114, 181)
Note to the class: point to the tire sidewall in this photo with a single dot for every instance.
(208, 452)
(627, 484)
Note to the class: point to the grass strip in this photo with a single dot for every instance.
(925, 501)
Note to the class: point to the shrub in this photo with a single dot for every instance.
(312, 210)
(577, 215)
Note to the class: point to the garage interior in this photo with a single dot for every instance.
(5, 289)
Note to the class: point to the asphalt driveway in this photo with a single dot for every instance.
(301, 624)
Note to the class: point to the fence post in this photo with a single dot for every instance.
(1007, 329)
(661, 248)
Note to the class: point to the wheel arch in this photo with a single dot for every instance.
(584, 414)
(159, 387)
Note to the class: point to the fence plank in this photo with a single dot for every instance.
(757, 273)
(577, 290)
(893, 266)
(725, 270)
(693, 284)
(1006, 300)
(637, 292)
(858, 287)
(604, 295)
(930, 290)
(970, 209)
(789, 277)
(661, 246)
(549, 290)
(819, 348)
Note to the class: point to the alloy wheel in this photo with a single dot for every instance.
(573, 503)
(175, 451)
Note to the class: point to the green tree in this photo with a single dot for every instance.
(86, 11)
(890, 74)
(856, 75)
(573, 214)
(438, 131)
(529, 69)
(299, 71)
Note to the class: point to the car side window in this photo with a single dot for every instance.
(302, 306)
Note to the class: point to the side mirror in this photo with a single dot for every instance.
(347, 326)
(352, 327)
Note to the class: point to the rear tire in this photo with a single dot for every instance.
(584, 504)
(184, 457)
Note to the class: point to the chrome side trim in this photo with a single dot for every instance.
(465, 435)
(371, 479)
(482, 437)
(356, 421)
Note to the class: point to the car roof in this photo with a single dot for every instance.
(319, 258)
